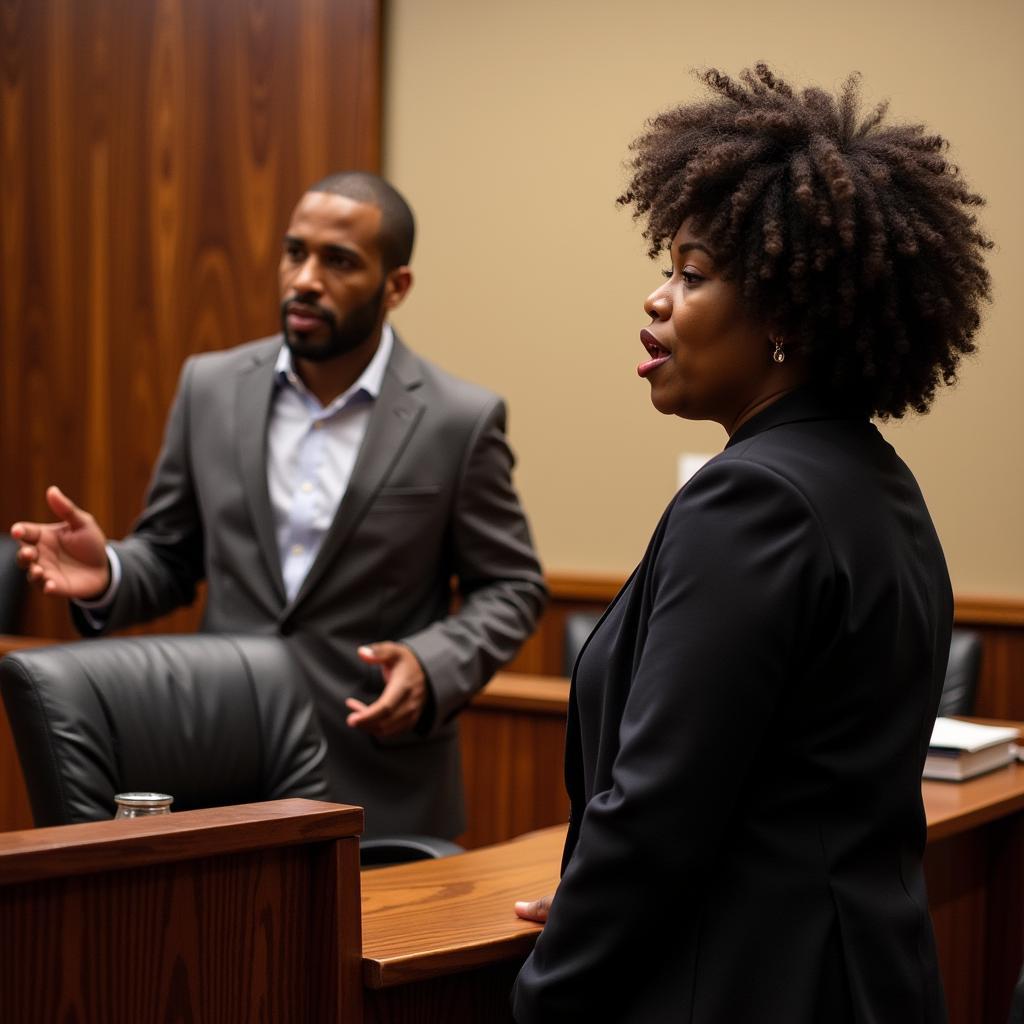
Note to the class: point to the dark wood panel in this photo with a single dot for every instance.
(124, 947)
(227, 914)
(512, 770)
(468, 998)
(152, 153)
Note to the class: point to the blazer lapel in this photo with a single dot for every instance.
(255, 391)
(395, 414)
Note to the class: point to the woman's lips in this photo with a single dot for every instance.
(659, 354)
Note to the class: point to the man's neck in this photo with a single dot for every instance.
(330, 378)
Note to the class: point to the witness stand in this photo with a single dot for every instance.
(243, 914)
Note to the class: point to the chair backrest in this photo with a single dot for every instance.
(211, 720)
(578, 626)
(962, 672)
(384, 850)
(12, 586)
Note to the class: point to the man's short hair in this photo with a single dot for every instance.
(397, 224)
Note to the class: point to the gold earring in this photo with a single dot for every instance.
(779, 355)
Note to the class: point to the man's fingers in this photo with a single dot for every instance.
(379, 654)
(63, 507)
(366, 714)
(26, 555)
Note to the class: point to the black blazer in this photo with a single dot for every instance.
(747, 729)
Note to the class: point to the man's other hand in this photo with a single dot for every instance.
(67, 558)
(401, 702)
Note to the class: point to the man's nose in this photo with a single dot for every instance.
(307, 277)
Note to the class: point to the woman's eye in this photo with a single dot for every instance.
(689, 277)
(667, 273)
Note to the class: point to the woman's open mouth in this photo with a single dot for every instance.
(658, 354)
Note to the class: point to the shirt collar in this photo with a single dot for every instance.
(369, 382)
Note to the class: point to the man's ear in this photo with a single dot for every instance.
(399, 281)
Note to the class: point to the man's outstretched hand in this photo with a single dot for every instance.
(400, 703)
(67, 558)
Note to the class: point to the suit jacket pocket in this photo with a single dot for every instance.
(405, 499)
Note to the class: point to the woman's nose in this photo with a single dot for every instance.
(657, 305)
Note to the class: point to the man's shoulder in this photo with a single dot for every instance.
(435, 382)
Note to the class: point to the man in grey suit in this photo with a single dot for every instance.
(328, 485)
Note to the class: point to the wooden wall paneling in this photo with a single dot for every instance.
(513, 744)
(152, 153)
(1001, 684)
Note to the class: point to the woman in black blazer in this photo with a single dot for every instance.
(749, 720)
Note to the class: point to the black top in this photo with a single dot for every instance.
(747, 728)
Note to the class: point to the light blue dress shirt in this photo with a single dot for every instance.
(311, 451)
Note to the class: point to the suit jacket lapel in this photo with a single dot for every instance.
(395, 414)
(255, 391)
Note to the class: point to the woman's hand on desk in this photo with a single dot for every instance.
(535, 910)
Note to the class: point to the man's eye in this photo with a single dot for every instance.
(293, 253)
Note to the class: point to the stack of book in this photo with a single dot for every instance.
(960, 750)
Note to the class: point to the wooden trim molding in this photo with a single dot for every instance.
(970, 609)
(989, 611)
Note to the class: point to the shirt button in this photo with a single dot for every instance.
(307, 487)
(297, 549)
(318, 424)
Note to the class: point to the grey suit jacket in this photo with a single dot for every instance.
(430, 499)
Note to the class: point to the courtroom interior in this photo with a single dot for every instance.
(155, 155)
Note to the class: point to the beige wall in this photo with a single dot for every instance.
(507, 125)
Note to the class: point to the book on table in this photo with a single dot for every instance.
(961, 750)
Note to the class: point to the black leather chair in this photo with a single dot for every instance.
(962, 673)
(383, 850)
(578, 626)
(12, 586)
(211, 720)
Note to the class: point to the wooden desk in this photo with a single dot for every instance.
(236, 914)
(441, 942)
(974, 866)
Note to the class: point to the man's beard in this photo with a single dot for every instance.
(357, 327)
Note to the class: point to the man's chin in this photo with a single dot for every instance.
(311, 349)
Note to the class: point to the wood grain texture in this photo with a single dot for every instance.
(439, 917)
(954, 807)
(513, 744)
(64, 850)
(975, 892)
(152, 153)
(479, 996)
(232, 926)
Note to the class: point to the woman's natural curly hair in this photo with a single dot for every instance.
(853, 239)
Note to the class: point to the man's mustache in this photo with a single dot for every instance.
(308, 305)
